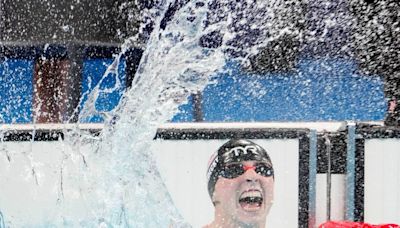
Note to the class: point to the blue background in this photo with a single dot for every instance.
(317, 90)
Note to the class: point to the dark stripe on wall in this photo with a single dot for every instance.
(359, 181)
(371, 132)
(338, 154)
(304, 181)
(192, 134)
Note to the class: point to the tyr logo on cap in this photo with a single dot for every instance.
(239, 151)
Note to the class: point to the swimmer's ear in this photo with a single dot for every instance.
(215, 202)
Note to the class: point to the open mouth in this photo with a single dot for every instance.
(251, 200)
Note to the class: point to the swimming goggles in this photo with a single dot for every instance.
(231, 171)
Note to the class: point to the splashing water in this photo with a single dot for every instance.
(173, 67)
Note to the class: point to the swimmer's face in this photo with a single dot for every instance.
(246, 198)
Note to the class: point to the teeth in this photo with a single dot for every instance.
(251, 194)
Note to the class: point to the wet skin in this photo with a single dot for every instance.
(233, 207)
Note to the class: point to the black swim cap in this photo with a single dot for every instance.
(235, 150)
